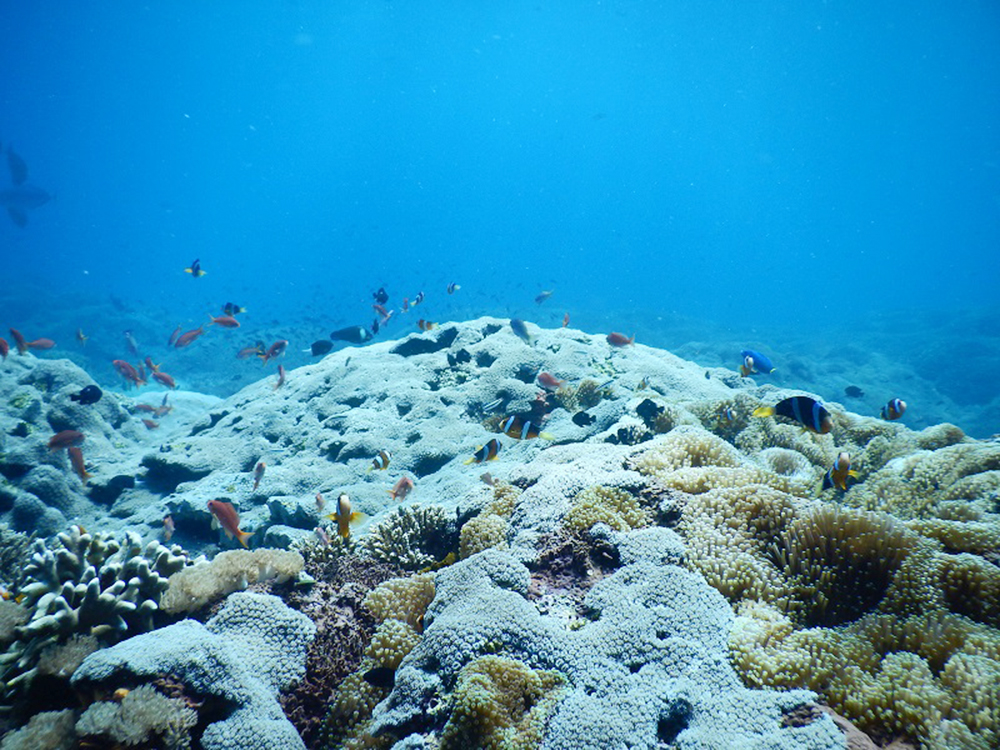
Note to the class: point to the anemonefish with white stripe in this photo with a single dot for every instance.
(487, 452)
(839, 473)
(807, 411)
(893, 410)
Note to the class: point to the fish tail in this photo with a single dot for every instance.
(764, 411)
(469, 461)
(243, 536)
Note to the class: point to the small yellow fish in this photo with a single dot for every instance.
(344, 516)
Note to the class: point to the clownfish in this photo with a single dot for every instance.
(522, 429)
(381, 461)
(344, 516)
(839, 473)
(487, 452)
(893, 410)
(807, 411)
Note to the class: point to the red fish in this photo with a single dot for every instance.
(4, 348)
(128, 372)
(164, 379)
(168, 528)
(173, 336)
(226, 321)
(76, 459)
(186, 338)
(258, 474)
(150, 365)
(565, 320)
(402, 488)
(145, 408)
(225, 515)
(619, 339)
(22, 345)
(276, 350)
(151, 424)
(65, 439)
(249, 351)
(281, 377)
(41, 344)
(549, 381)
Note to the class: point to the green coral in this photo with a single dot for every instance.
(500, 704)
(617, 508)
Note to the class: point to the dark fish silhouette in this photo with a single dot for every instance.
(21, 198)
(381, 296)
(352, 334)
(383, 677)
(89, 395)
(321, 347)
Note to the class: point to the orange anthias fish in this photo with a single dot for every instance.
(226, 321)
(168, 528)
(276, 350)
(164, 379)
(281, 377)
(249, 351)
(65, 439)
(151, 424)
(19, 341)
(128, 372)
(258, 474)
(80, 337)
(4, 348)
(41, 344)
(619, 339)
(549, 381)
(173, 336)
(402, 488)
(186, 338)
(225, 515)
(565, 320)
(76, 460)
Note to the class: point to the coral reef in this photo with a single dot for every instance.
(610, 505)
(90, 584)
(412, 537)
(196, 585)
(498, 704)
(238, 661)
(142, 715)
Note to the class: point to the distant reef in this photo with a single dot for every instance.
(476, 537)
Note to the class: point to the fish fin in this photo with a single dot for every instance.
(764, 411)
(546, 436)
(469, 461)
(243, 536)
(18, 216)
(853, 473)
(827, 481)
(215, 523)
(356, 517)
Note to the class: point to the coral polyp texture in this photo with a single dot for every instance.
(661, 568)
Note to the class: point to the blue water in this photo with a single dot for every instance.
(817, 180)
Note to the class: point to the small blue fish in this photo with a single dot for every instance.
(754, 361)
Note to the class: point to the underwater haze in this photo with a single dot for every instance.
(816, 180)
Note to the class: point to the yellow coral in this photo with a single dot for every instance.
(617, 508)
(404, 599)
(485, 531)
(196, 585)
(391, 642)
(500, 704)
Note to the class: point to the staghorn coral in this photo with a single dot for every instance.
(611, 505)
(197, 585)
(500, 704)
(87, 584)
(411, 537)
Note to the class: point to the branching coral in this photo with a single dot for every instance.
(88, 584)
(411, 537)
